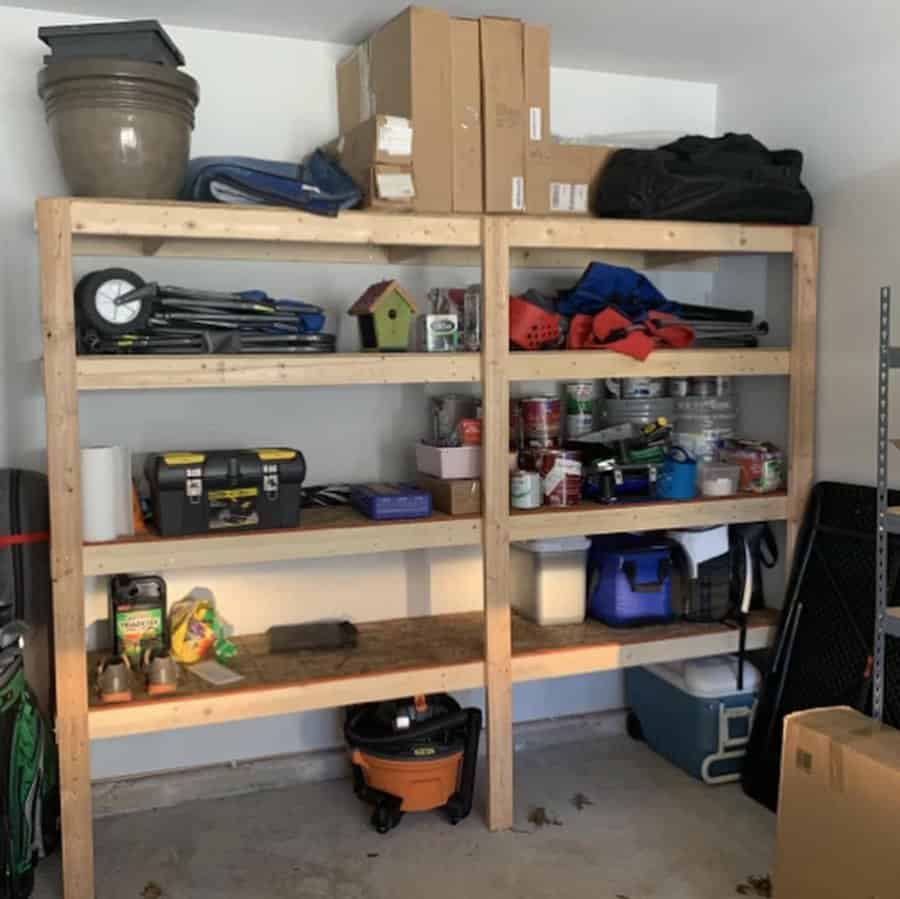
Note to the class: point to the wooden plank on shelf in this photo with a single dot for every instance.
(802, 414)
(590, 518)
(521, 258)
(563, 650)
(495, 489)
(142, 372)
(558, 366)
(216, 221)
(649, 236)
(64, 473)
(393, 658)
(324, 533)
(87, 245)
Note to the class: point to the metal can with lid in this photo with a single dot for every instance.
(540, 421)
(525, 490)
(561, 475)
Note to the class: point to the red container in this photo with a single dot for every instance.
(560, 472)
(541, 416)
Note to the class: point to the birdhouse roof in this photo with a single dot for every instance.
(373, 295)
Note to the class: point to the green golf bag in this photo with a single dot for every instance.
(29, 787)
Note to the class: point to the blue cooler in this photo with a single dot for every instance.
(629, 580)
(693, 714)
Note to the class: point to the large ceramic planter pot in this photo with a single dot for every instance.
(121, 128)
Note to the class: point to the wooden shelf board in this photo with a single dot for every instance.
(592, 518)
(400, 657)
(216, 221)
(555, 366)
(324, 533)
(140, 372)
(650, 236)
(88, 245)
(540, 652)
(393, 658)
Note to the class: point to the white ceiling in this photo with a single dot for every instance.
(691, 39)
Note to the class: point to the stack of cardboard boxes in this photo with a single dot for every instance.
(474, 96)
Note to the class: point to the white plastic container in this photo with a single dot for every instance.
(718, 478)
(449, 461)
(549, 579)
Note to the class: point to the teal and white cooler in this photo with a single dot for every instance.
(693, 714)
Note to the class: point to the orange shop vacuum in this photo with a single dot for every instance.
(414, 755)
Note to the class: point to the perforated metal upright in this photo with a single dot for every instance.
(887, 620)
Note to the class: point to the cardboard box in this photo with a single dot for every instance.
(839, 808)
(575, 173)
(538, 144)
(460, 496)
(377, 155)
(403, 69)
(465, 105)
(503, 111)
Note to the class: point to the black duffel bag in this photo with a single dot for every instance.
(733, 178)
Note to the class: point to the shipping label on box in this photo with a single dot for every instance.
(503, 108)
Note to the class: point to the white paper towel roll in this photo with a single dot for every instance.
(103, 492)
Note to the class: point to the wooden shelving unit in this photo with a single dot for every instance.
(493, 649)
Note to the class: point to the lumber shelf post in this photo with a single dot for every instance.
(64, 474)
(802, 413)
(495, 531)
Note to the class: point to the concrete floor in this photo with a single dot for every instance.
(651, 832)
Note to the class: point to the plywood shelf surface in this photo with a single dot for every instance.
(323, 533)
(560, 365)
(593, 518)
(401, 657)
(140, 372)
(393, 658)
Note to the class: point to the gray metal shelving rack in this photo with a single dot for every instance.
(887, 619)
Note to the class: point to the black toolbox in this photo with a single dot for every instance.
(214, 490)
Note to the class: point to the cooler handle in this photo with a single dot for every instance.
(662, 575)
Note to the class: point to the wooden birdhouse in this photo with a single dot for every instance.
(385, 313)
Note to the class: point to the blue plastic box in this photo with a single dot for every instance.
(385, 502)
(629, 580)
(693, 714)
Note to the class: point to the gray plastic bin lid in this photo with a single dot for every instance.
(142, 39)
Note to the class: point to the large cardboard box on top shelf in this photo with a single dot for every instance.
(575, 173)
(515, 79)
(404, 69)
(838, 808)
(465, 100)
(538, 143)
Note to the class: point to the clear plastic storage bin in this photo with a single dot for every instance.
(549, 579)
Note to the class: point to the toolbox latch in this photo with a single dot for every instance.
(270, 481)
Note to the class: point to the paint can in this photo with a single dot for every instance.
(679, 387)
(561, 475)
(710, 386)
(579, 398)
(525, 490)
(635, 388)
(515, 425)
(541, 420)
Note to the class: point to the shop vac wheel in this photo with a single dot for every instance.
(633, 727)
(385, 819)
